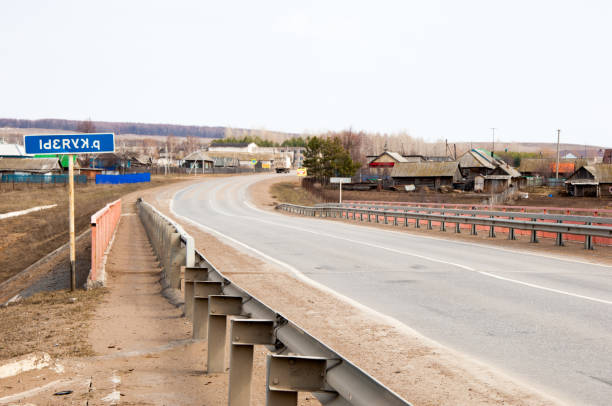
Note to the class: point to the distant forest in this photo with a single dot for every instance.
(120, 128)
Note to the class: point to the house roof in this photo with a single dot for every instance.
(230, 144)
(549, 164)
(509, 170)
(424, 169)
(396, 155)
(244, 156)
(198, 156)
(601, 172)
(30, 164)
(475, 159)
(12, 150)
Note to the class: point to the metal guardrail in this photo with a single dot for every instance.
(483, 213)
(299, 362)
(534, 226)
(472, 206)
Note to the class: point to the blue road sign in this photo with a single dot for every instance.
(69, 143)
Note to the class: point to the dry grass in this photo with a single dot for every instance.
(292, 192)
(25, 239)
(55, 322)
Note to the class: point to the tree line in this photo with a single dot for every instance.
(119, 127)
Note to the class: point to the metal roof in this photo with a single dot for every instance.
(425, 169)
(30, 164)
(198, 156)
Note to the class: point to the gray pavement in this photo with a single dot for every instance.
(543, 320)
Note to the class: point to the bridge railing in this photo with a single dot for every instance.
(103, 225)
(511, 222)
(298, 362)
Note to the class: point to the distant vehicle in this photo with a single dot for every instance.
(283, 165)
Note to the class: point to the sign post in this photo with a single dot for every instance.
(340, 181)
(70, 145)
(71, 223)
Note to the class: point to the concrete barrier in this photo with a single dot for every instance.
(103, 226)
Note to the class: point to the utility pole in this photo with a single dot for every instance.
(558, 138)
(493, 148)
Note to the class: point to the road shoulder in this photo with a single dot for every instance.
(415, 367)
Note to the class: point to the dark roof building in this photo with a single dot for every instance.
(431, 174)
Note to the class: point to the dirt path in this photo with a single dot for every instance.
(145, 355)
(144, 352)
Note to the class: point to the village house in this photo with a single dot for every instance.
(433, 175)
(590, 181)
(198, 160)
(476, 163)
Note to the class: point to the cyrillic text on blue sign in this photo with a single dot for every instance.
(69, 143)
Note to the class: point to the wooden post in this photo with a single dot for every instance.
(71, 215)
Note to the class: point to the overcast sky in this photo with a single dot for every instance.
(436, 69)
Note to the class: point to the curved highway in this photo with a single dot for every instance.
(547, 321)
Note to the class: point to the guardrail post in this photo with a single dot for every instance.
(457, 227)
(492, 229)
(417, 223)
(201, 291)
(361, 216)
(175, 257)
(219, 307)
(511, 235)
(244, 335)
(559, 240)
(288, 375)
(405, 218)
(534, 235)
(395, 219)
(385, 217)
(588, 240)
(376, 216)
(429, 226)
(192, 275)
(443, 225)
(473, 230)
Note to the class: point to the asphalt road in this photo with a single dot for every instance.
(546, 321)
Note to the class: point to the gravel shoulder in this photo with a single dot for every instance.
(420, 370)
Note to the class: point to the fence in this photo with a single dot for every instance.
(103, 226)
(127, 178)
(210, 297)
(174, 170)
(13, 182)
(511, 222)
(502, 197)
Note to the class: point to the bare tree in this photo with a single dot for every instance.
(86, 126)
